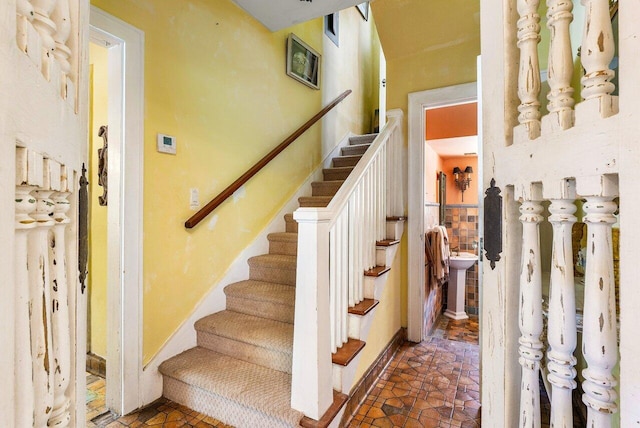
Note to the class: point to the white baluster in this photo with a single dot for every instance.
(529, 70)
(24, 12)
(353, 280)
(597, 50)
(333, 289)
(359, 263)
(560, 69)
(344, 285)
(61, 17)
(25, 204)
(60, 416)
(599, 345)
(40, 295)
(46, 29)
(561, 332)
(530, 314)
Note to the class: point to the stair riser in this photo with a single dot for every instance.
(269, 310)
(312, 203)
(362, 139)
(336, 175)
(270, 274)
(325, 189)
(216, 406)
(353, 150)
(283, 247)
(290, 224)
(246, 352)
(346, 161)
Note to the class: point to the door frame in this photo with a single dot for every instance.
(418, 102)
(125, 210)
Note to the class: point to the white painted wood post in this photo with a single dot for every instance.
(561, 331)
(24, 12)
(529, 71)
(597, 50)
(560, 67)
(61, 332)
(62, 19)
(311, 378)
(530, 314)
(40, 295)
(24, 405)
(599, 345)
(46, 29)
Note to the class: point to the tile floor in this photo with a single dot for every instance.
(431, 384)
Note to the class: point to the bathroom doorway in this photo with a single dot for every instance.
(461, 211)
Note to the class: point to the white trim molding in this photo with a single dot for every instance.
(125, 214)
(418, 102)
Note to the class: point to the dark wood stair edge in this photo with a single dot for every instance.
(339, 400)
(363, 307)
(396, 218)
(387, 242)
(377, 271)
(347, 352)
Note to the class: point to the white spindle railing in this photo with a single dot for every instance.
(529, 71)
(561, 331)
(530, 314)
(599, 345)
(43, 30)
(597, 50)
(43, 333)
(336, 245)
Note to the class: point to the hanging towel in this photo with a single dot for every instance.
(445, 250)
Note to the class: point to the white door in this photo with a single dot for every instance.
(43, 134)
(574, 164)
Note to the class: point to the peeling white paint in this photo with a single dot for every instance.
(239, 194)
(212, 223)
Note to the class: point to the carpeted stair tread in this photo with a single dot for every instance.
(262, 299)
(350, 160)
(278, 268)
(362, 139)
(283, 243)
(314, 201)
(326, 188)
(290, 224)
(262, 332)
(337, 173)
(354, 149)
(211, 374)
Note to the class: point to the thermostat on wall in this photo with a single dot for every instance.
(166, 144)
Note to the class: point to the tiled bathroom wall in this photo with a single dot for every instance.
(462, 227)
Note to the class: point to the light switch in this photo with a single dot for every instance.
(194, 199)
(167, 144)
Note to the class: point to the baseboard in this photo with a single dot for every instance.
(215, 300)
(368, 380)
(96, 365)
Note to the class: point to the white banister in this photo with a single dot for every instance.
(599, 346)
(561, 331)
(25, 204)
(40, 297)
(336, 245)
(597, 50)
(60, 415)
(560, 68)
(530, 314)
(529, 71)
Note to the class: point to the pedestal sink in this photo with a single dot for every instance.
(458, 266)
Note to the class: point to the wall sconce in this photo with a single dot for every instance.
(462, 179)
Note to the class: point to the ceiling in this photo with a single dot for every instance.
(455, 147)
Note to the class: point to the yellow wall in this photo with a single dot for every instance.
(97, 278)
(432, 166)
(215, 79)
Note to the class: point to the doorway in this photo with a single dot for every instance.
(123, 48)
(419, 103)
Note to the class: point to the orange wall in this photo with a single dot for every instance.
(454, 196)
(454, 121)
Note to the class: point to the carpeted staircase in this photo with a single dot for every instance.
(240, 372)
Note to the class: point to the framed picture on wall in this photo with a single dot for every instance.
(303, 63)
(363, 8)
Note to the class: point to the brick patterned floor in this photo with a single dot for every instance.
(431, 384)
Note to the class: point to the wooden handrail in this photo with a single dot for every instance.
(215, 202)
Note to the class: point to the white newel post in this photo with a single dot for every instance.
(599, 346)
(25, 204)
(61, 18)
(40, 295)
(530, 314)
(311, 378)
(561, 332)
(46, 29)
(597, 50)
(529, 70)
(560, 68)
(60, 416)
